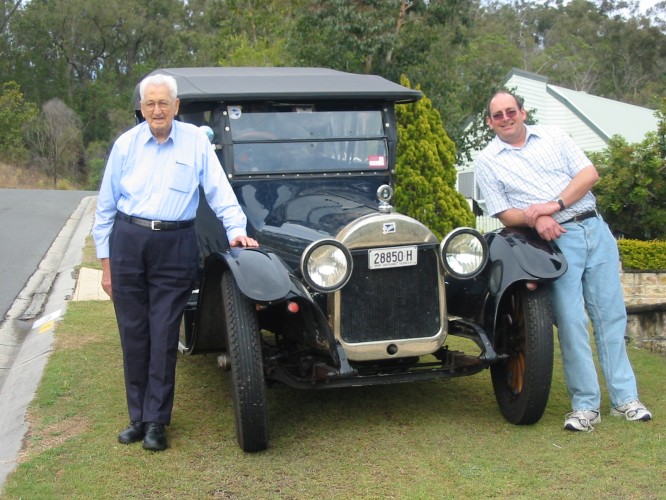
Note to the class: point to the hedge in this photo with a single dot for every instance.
(642, 255)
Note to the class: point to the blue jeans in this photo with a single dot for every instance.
(592, 284)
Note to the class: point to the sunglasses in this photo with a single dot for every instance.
(509, 113)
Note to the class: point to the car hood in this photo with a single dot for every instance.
(286, 216)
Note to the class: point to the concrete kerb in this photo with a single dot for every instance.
(30, 301)
(24, 345)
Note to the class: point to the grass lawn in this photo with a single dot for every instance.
(441, 439)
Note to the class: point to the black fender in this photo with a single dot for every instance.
(261, 276)
(516, 255)
(519, 255)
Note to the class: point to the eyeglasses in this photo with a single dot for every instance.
(160, 104)
(509, 113)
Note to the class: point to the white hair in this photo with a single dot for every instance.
(159, 79)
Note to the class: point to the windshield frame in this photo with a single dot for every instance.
(279, 139)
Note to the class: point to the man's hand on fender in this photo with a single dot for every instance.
(243, 241)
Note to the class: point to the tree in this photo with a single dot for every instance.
(241, 32)
(466, 64)
(91, 38)
(55, 137)
(631, 192)
(370, 36)
(8, 8)
(425, 172)
(90, 53)
(605, 48)
(15, 111)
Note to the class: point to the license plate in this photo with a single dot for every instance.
(382, 258)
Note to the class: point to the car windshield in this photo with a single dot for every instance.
(301, 139)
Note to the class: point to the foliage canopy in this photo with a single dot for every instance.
(89, 54)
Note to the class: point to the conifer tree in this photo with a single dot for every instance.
(425, 169)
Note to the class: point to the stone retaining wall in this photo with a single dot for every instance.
(643, 287)
(645, 299)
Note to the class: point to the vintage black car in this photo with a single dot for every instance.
(345, 291)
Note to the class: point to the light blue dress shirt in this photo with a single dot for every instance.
(161, 182)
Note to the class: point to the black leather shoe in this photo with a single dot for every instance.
(132, 434)
(155, 439)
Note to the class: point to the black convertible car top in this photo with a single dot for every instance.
(273, 84)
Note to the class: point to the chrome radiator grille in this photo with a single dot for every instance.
(391, 304)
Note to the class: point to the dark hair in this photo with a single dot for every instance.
(519, 100)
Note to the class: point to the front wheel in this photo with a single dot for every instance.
(524, 335)
(248, 389)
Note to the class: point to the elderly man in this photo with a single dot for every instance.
(536, 176)
(144, 236)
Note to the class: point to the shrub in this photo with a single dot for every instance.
(642, 255)
(425, 172)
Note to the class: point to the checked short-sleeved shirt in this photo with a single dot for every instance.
(537, 172)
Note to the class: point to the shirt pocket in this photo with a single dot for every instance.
(183, 177)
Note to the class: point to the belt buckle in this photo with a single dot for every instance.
(153, 225)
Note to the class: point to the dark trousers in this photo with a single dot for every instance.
(152, 274)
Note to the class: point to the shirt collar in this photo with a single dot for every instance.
(497, 145)
(146, 135)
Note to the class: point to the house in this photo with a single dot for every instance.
(590, 120)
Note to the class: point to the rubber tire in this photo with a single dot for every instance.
(248, 387)
(525, 333)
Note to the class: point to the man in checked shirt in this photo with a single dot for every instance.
(536, 176)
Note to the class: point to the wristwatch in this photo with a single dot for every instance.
(560, 203)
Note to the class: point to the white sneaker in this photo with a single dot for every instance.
(634, 410)
(582, 420)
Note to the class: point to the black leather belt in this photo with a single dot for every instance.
(155, 225)
(580, 217)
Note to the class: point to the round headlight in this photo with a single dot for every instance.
(326, 265)
(464, 253)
